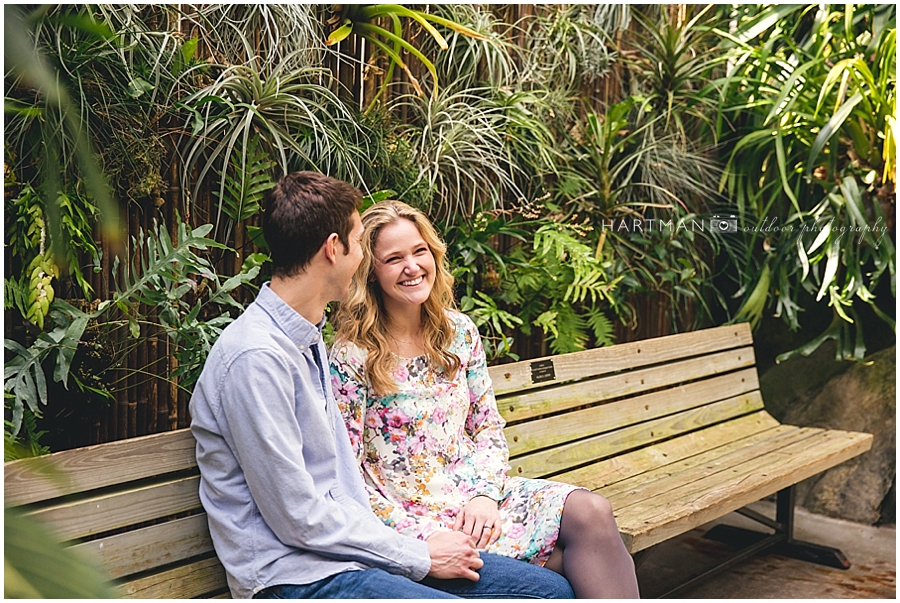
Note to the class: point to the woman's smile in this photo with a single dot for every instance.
(404, 266)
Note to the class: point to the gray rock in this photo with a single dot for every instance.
(797, 382)
(860, 398)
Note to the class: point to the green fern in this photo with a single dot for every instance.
(27, 444)
(572, 262)
(566, 329)
(559, 286)
(601, 326)
(246, 182)
(547, 322)
(485, 313)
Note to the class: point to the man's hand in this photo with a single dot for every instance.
(453, 555)
(479, 519)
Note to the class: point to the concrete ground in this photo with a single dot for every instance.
(870, 550)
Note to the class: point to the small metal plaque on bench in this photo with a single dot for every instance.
(542, 371)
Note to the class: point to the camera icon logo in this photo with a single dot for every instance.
(723, 224)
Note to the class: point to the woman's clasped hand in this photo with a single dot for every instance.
(480, 519)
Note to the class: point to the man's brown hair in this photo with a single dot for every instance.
(301, 212)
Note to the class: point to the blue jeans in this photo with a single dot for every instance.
(500, 578)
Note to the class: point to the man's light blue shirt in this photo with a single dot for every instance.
(278, 480)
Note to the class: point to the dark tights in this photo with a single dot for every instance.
(590, 553)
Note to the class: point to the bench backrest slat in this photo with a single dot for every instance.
(197, 579)
(84, 469)
(546, 463)
(153, 546)
(517, 377)
(577, 424)
(106, 512)
(558, 398)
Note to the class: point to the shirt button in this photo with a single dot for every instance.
(302, 347)
(315, 339)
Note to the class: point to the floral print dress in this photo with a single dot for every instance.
(438, 442)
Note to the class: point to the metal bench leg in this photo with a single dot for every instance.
(784, 526)
(751, 543)
(761, 542)
(797, 549)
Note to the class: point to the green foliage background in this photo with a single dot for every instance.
(534, 143)
(492, 125)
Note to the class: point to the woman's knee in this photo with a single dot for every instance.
(588, 511)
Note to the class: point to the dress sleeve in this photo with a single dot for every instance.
(351, 389)
(484, 423)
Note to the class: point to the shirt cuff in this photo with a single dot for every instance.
(420, 564)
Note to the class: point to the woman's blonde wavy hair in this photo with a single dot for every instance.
(361, 318)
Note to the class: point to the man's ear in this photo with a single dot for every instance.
(330, 247)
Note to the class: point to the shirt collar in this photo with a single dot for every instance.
(302, 332)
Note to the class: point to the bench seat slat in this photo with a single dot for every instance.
(151, 547)
(558, 429)
(189, 581)
(691, 450)
(662, 479)
(636, 462)
(517, 377)
(568, 456)
(107, 512)
(84, 469)
(691, 505)
(554, 399)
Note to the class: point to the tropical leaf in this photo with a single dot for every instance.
(24, 378)
(806, 123)
(37, 565)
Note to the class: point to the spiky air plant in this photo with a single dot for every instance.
(358, 19)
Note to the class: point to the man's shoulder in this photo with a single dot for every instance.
(252, 330)
(252, 341)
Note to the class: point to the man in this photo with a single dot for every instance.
(287, 509)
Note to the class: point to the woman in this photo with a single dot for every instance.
(410, 376)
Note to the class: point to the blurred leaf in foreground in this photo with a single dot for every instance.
(36, 565)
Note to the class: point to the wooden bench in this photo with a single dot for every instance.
(103, 498)
(671, 430)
